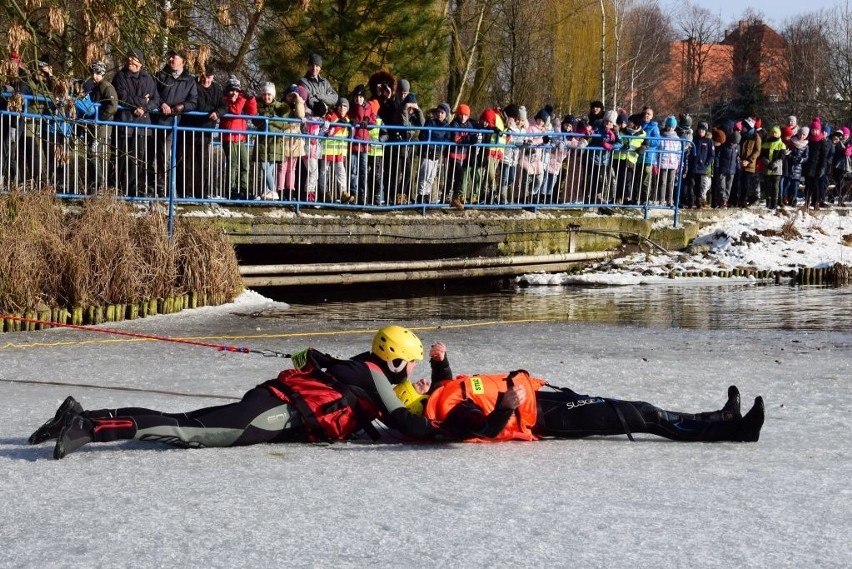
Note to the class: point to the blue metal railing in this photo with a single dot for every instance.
(311, 163)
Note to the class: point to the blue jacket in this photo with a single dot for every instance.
(701, 156)
(652, 140)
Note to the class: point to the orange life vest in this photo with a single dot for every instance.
(484, 390)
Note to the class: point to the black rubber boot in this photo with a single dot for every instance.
(76, 432)
(731, 410)
(750, 425)
(53, 426)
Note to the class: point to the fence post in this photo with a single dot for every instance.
(172, 176)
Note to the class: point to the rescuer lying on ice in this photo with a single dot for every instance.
(322, 399)
(514, 406)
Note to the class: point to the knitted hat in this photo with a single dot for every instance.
(610, 116)
(342, 102)
(685, 121)
(671, 122)
(444, 107)
(404, 85)
(542, 115)
(805, 131)
(411, 98)
(786, 132)
(315, 59)
(463, 109)
(594, 104)
(775, 131)
(98, 67)
(359, 91)
(749, 123)
(233, 84)
(845, 131)
(703, 126)
(267, 87)
(136, 53)
(622, 119)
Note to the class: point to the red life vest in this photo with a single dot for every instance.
(330, 410)
(484, 391)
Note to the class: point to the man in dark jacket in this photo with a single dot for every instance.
(137, 97)
(178, 95)
(319, 89)
(198, 173)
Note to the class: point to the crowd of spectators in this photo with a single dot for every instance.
(377, 146)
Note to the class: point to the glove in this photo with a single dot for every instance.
(249, 93)
(300, 359)
(546, 139)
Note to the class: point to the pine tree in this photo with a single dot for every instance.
(355, 38)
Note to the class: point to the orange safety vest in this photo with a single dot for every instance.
(484, 390)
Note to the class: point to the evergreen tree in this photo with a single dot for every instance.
(356, 38)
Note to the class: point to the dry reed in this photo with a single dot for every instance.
(105, 253)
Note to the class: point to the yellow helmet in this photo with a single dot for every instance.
(395, 342)
(409, 397)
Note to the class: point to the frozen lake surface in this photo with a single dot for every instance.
(604, 502)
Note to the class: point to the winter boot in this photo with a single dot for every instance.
(731, 410)
(750, 425)
(76, 432)
(52, 427)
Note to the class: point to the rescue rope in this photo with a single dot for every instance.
(138, 336)
(118, 388)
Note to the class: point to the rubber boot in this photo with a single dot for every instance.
(53, 426)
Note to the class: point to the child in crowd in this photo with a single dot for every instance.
(430, 154)
(632, 137)
(797, 155)
(234, 138)
(458, 154)
(362, 116)
(334, 154)
(772, 153)
(671, 150)
(725, 163)
(700, 166)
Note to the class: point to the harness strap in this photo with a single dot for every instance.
(309, 418)
(622, 420)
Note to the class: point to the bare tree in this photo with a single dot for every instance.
(702, 30)
(648, 36)
(807, 76)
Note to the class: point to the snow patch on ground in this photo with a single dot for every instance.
(750, 240)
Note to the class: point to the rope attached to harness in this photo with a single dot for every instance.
(220, 347)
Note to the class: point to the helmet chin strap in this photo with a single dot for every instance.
(397, 368)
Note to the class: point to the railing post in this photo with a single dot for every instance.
(172, 175)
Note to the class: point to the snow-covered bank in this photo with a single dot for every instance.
(783, 502)
(774, 241)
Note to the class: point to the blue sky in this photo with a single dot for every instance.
(775, 12)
